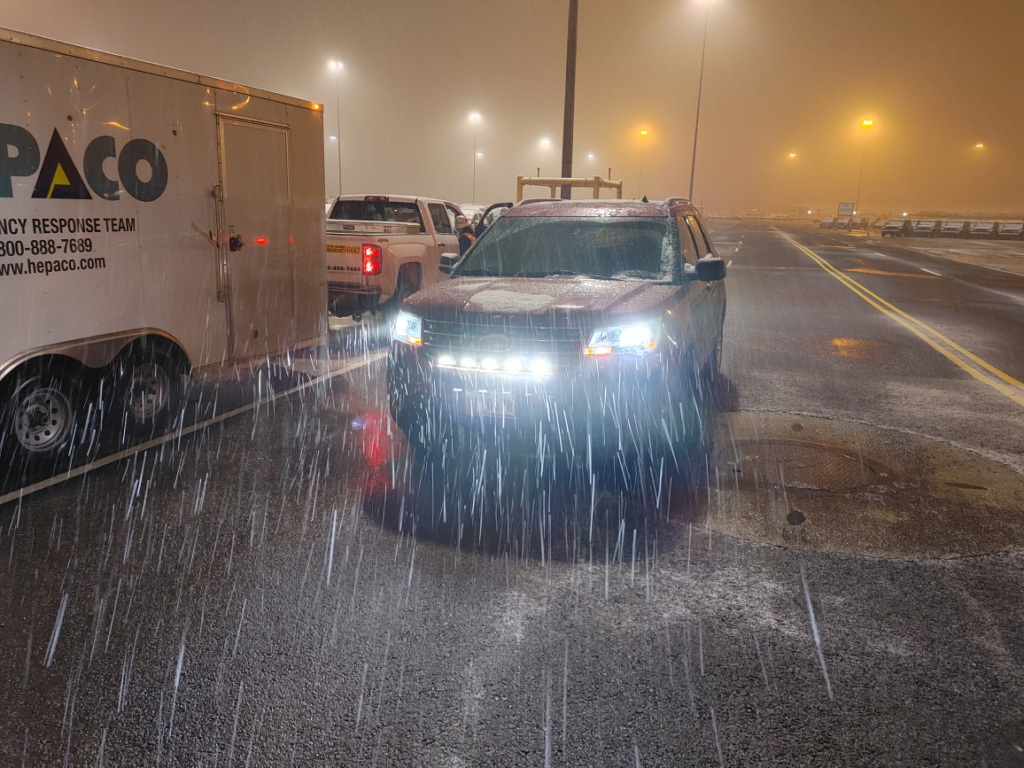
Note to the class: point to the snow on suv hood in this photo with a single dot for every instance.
(537, 296)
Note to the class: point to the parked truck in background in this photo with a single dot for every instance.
(382, 248)
(153, 223)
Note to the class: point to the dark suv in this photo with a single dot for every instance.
(596, 323)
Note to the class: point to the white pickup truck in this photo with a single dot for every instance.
(381, 248)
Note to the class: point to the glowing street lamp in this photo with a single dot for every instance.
(474, 118)
(337, 68)
(792, 155)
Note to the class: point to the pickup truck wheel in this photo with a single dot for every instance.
(148, 387)
(408, 284)
(42, 408)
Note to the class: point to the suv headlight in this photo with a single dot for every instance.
(407, 329)
(628, 339)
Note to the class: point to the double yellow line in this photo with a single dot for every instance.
(988, 375)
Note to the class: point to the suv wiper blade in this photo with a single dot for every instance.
(564, 273)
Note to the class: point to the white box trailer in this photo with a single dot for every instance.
(153, 223)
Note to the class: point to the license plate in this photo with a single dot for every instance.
(494, 404)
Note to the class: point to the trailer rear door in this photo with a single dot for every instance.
(259, 273)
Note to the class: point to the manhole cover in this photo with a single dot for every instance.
(796, 465)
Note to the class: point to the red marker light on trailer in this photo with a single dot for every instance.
(372, 263)
(260, 240)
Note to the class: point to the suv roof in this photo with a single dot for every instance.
(597, 208)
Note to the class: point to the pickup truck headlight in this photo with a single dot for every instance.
(628, 339)
(407, 329)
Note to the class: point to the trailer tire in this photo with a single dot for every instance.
(148, 388)
(41, 414)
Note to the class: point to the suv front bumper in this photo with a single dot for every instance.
(622, 403)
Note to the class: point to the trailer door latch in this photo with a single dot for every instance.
(235, 243)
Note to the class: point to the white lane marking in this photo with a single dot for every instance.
(930, 272)
(729, 264)
(115, 457)
(737, 249)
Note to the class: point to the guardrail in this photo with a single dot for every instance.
(596, 183)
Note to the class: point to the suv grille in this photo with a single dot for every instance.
(562, 345)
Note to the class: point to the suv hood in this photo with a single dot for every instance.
(525, 297)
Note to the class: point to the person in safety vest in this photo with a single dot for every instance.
(466, 235)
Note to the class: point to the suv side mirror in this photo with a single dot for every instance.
(448, 262)
(710, 269)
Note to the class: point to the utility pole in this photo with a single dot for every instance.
(570, 96)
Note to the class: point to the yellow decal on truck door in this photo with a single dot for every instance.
(351, 249)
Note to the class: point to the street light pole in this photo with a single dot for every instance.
(974, 181)
(336, 67)
(867, 124)
(700, 90)
(475, 119)
(860, 179)
(640, 183)
(570, 96)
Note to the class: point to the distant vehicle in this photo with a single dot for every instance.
(842, 222)
(562, 318)
(860, 222)
(953, 229)
(191, 242)
(382, 248)
(926, 228)
(897, 228)
(1010, 230)
(983, 229)
(827, 223)
(489, 216)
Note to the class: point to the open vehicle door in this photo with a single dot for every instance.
(491, 215)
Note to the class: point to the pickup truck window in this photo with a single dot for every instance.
(545, 247)
(438, 214)
(452, 214)
(377, 210)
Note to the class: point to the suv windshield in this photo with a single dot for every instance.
(625, 248)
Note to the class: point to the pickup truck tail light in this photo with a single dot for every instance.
(372, 262)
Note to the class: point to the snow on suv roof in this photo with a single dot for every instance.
(591, 208)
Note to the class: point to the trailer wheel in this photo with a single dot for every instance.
(40, 414)
(149, 388)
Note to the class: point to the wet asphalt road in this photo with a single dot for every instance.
(256, 594)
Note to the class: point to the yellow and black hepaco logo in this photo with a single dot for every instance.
(60, 178)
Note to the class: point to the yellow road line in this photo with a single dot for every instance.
(924, 332)
(179, 433)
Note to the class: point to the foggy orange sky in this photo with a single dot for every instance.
(937, 76)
